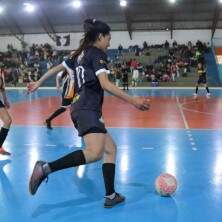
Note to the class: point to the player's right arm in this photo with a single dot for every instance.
(58, 80)
(33, 86)
(139, 103)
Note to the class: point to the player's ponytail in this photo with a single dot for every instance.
(92, 29)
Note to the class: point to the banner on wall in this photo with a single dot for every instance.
(63, 40)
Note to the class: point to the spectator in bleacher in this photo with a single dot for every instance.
(118, 76)
(165, 77)
(15, 75)
(173, 72)
(190, 46)
(154, 81)
(178, 68)
(135, 77)
(134, 65)
(199, 46)
(125, 77)
(130, 49)
(120, 49)
(185, 67)
(33, 75)
(167, 45)
(168, 69)
(175, 44)
(145, 45)
(49, 64)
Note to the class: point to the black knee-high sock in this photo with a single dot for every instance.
(208, 91)
(3, 135)
(196, 89)
(73, 159)
(109, 177)
(56, 113)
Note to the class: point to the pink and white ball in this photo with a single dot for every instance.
(165, 184)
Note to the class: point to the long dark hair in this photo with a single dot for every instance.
(92, 29)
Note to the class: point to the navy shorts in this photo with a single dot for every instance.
(202, 80)
(1, 104)
(88, 121)
(66, 102)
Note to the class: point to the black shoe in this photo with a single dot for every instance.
(37, 177)
(109, 203)
(48, 124)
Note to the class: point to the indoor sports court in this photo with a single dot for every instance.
(178, 135)
(111, 111)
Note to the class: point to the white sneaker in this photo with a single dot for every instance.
(195, 95)
(208, 95)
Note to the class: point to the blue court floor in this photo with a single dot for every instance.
(194, 156)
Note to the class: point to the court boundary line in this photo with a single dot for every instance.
(195, 111)
(148, 87)
(182, 113)
(142, 128)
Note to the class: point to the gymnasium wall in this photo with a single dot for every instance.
(157, 37)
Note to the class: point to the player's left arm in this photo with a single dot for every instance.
(3, 93)
(4, 97)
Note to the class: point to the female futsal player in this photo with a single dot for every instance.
(88, 69)
(201, 71)
(4, 115)
(67, 95)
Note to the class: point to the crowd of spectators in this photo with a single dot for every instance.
(28, 65)
(177, 62)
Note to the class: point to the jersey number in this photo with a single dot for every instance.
(80, 72)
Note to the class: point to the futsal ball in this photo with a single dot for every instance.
(165, 184)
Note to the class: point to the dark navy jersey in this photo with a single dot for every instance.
(91, 63)
(68, 90)
(64, 77)
(201, 72)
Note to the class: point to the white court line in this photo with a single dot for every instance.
(127, 127)
(31, 144)
(123, 147)
(188, 102)
(148, 148)
(181, 108)
(38, 144)
(142, 88)
(182, 114)
(196, 111)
